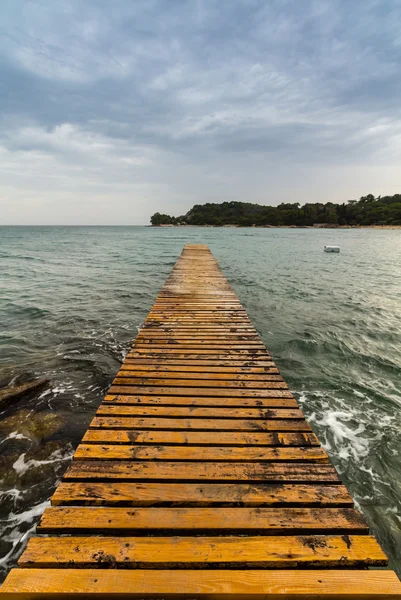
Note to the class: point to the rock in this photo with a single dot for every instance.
(13, 393)
(34, 426)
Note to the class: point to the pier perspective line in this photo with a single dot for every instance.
(199, 476)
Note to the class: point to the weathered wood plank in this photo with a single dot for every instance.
(127, 371)
(194, 412)
(202, 370)
(197, 471)
(275, 382)
(172, 334)
(308, 551)
(199, 438)
(207, 363)
(200, 424)
(197, 344)
(203, 453)
(147, 390)
(272, 521)
(203, 401)
(211, 354)
(205, 494)
(197, 327)
(200, 584)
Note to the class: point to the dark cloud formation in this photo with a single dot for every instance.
(128, 107)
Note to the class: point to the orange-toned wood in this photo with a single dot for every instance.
(199, 391)
(108, 470)
(199, 438)
(212, 354)
(203, 370)
(202, 401)
(271, 382)
(209, 584)
(271, 520)
(119, 493)
(207, 363)
(195, 412)
(126, 371)
(199, 424)
(202, 453)
(196, 552)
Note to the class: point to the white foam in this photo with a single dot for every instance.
(349, 441)
(21, 467)
(14, 520)
(29, 515)
(16, 436)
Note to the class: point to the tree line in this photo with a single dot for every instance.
(368, 210)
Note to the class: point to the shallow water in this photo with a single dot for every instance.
(72, 299)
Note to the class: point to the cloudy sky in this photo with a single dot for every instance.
(112, 110)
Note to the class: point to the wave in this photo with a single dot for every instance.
(31, 312)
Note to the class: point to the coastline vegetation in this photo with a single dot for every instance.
(367, 211)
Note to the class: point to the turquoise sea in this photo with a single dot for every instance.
(72, 299)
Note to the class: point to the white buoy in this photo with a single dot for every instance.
(332, 248)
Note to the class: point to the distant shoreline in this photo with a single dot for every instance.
(324, 226)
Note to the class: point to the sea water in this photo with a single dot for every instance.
(73, 298)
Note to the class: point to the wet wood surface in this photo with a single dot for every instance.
(199, 476)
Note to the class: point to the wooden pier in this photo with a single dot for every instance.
(199, 476)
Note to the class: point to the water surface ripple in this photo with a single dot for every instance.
(72, 299)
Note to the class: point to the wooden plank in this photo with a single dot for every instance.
(211, 320)
(128, 370)
(138, 390)
(207, 363)
(227, 336)
(198, 344)
(173, 337)
(197, 471)
(196, 359)
(203, 401)
(202, 584)
(199, 438)
(200, 315)
(203, 453)
(195, 412)
(242, 323)
(173, 333)
(224, 297)
(228, 303)
(191, 312)
(202, 370)
(320, 551)
(271, 521)
(197, 327)
(215, 354)
(200, 424)
(198, 307)
(273, 382)
(205, 494)
(178, 304)
(223, 319)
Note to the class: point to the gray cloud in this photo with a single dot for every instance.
(139, 106)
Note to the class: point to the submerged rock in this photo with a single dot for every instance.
(12, 393)
(33, 426)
